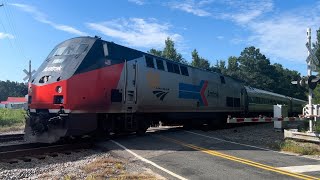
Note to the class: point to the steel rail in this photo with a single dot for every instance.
(36, 149)
(11, 137)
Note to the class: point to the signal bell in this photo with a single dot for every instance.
(311, 81)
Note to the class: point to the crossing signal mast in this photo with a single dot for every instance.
(28, 73)
(310, 80)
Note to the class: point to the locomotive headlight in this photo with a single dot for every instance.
(59, 89)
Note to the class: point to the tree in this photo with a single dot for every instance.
(316, 92)
(233, 67)
(198, 61)
(221, 65)
(170, 51)
(155, 52)
(255, 68)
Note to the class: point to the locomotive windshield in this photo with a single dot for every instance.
(71, 49)
(63, 60)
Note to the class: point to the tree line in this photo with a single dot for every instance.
(11, 88)
(252, 67)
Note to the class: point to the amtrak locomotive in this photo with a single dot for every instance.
(90, 86)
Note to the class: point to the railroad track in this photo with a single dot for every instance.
(11, 137)
(24, 152)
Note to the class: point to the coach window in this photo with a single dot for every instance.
(176, 68)
(149, 62)
(160, 64)
(223, 81)
(184, 70)
(170, 67)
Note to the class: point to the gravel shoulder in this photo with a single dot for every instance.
(86, 164)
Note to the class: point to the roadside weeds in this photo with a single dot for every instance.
(112, 169)
(301, 148)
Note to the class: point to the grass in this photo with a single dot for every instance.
(108, 168)
(11, 119)
(300, 148)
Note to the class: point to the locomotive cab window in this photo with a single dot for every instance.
(223, 81)
(176, 68)
(160, 65)
(170, 67)
(149, 62)
(184, 70)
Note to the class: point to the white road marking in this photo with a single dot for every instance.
(150, 162)
(301, 169)
(230, 141)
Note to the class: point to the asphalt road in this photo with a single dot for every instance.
(179, 154)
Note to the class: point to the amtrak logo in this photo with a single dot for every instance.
(160, 94)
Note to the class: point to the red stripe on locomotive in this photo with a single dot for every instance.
(89, 91)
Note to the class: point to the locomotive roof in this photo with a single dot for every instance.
(120, 52)
(252, 90)
(130, 54)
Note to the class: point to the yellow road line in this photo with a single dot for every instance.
(241, 160)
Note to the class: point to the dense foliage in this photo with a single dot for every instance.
(255, 70)
(11, 88)
(316, 92)
(251, 67)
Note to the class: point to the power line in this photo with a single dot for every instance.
(13, 29)
(5, 30)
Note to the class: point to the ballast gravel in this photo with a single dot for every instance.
(86, 164)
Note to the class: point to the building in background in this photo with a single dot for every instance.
(14, 103)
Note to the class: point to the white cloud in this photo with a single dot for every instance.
(220, 37)
(284, 36)
(196, 8)
(41, 17)
(138, 2)
(137, 32)
(5, 35)
(244, 11)
(240, 11)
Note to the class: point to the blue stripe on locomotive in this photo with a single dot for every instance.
(190, 91)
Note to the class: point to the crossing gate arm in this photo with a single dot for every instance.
(232, 120)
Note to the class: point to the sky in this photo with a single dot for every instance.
(218, 29)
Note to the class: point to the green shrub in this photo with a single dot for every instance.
(11, 117)
(317, 126)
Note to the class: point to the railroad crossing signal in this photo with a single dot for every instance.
(313, 65)
(311, 81)
(29, 73)
(312, 57)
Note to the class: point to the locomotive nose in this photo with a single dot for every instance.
(51, 96)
